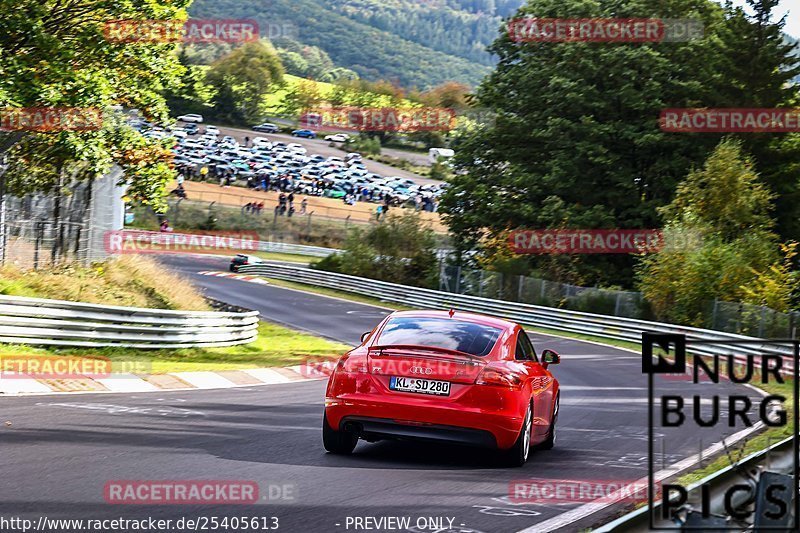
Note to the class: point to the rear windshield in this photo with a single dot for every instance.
(469, 337)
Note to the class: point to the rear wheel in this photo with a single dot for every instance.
(518, 454)
(338, 442)
(551, 434)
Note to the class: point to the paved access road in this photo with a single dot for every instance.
(60, 451)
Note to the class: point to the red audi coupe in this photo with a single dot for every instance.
(444, 376)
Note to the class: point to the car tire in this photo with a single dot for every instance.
(518, 454)
(337, 442)
(550, 442)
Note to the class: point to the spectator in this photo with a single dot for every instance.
(165, 228)
(304, 205)
(291, 199)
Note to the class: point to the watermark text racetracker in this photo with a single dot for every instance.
(175, 31)
(26, 366)
(151, 242)
(730, 120)
(597, 241)
(50, 119)
(603, 30)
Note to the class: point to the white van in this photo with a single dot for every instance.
(435, 153)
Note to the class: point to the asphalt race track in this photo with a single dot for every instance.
(60, 451)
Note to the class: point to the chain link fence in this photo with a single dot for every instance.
(44, 229)
(524, 289)
(740, 318)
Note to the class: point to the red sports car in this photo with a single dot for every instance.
(444, 376)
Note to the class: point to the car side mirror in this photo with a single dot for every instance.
(365, 335)
(549, 357)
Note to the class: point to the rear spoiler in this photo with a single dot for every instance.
(422, 348)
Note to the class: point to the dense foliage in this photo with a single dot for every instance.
(720, 244)
(405, 51)
(577, 144)
(400, 249)
(55, 54)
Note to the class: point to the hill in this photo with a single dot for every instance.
(417, 44)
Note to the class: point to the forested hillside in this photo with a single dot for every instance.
(415, 43)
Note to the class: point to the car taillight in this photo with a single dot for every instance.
(353, 365)
(499, 377)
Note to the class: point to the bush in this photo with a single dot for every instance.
(399, 250)
(332, 263)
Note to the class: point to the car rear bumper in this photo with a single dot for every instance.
(369, 428)
(453, 423)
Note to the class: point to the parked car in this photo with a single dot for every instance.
(444, 376)
(308, 134)
(259, 142)
(212, 130)
(191, 129)
(191, 117)
(266, 128)
(296, 148)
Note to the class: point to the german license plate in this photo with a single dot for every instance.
(419, 385)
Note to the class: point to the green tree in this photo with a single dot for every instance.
(759, 67)
(243, 79)
(400, 250)
(576, 142)
(302, 96)
(190, 94)
(56, 54)
(720, 243)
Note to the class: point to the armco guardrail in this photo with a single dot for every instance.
(296, 249)
(608, 327)
(38, 321)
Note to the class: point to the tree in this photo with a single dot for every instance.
(400, 250)
(242, 80)
(55, 54)
(759, 67)
(190, 94)
(576, 142)
(720, 243)
(302, 96)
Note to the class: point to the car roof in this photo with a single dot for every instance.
(458, 315)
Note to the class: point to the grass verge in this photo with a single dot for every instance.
(133, 281)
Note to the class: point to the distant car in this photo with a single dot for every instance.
(266, 128)
(308, 134)
(212, 130)
(242, 259)
(258, 142)
(191, 129)
(191, 118)
(337, 137)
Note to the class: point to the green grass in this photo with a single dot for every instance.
(278, 256)
(755, 443)
(275, 346)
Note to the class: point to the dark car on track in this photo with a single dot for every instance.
(243, 259)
